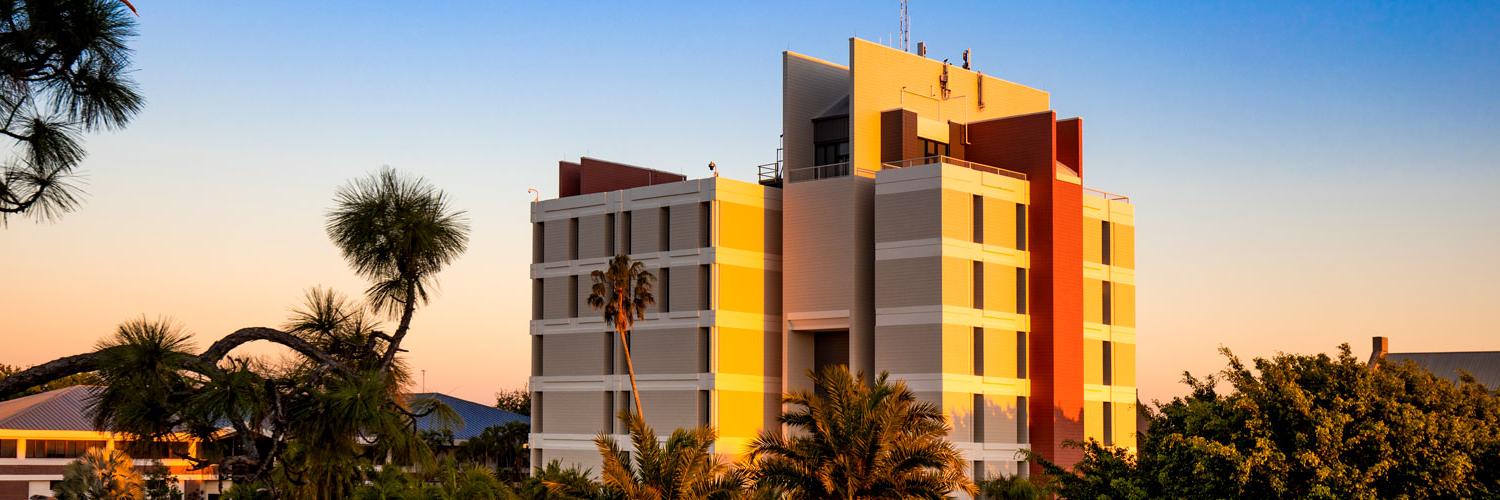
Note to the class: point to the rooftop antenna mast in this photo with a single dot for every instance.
(905, 28)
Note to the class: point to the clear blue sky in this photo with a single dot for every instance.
(1306, 174)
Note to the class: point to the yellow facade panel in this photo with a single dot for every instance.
(958, 408)
(999, 223)
(999, 288)
(885, 78)
(1123, 298)
(958, 286)
(999, 353)
(1093, 361)
(958, 215)
(1121, 212)
(1122, 241)
(1095, 207)
(742, 227)
(1124, 363)
(1093, 301)
(1093, 420)
(744, 290)
(1093, 242)
(958, 349)
(1124, 425)
(740, 413)
(745, 351)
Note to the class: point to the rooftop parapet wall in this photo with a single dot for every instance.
(590, 175)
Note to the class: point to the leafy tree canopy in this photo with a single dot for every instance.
(516, 401)
(1300, 426)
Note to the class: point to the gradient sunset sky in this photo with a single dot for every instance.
(1305, 174)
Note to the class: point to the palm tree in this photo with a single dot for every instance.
(623, 292)
(556, 482)
(398, 232)
(855, 440)
(101, 475)
(683, 467)
(1013, 487)
(64, 70)
(503, 446)
(142, 368)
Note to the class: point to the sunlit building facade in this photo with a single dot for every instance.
(923, 219)
(42, 433)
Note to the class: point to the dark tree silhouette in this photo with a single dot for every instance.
(65, 69)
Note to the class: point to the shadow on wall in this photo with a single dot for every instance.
(1003, 420)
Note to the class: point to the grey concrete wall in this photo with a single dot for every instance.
(573, 354)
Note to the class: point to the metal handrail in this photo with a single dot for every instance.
(828, 171)
(928, 160)
(769, 172)
(1108, 196)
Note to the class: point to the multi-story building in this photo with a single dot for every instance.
(925, 220)
(708, 352)
(42, 433)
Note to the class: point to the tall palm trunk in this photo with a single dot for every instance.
(624, 330)
(407, 310)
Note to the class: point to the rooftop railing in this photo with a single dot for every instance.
(928, 160)
(773, 172)
(1107, 195)
(769, 173)
(828, 171)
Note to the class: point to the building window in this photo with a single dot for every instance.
(573, 238)
(978, 470)
(665, 229)
(1021, 355)
(537, 344)
(979, 418)
(705, 224)
(7, 448)
(1108, 303)
(621, 368)
(664, 290)
(609, 353)
(978, 219)
(625, 229)
(705, 350)
(1109, 423)
(1108, 363)
(55, 448)
(1020, 227)
(609, 412)
(572, 296)
(829, 153)
(1023, 421)
(609, 235)
(934, 148)
(1104, 239)
(536, 298)
(703, 408)
(147, 450)
(979, 351)
(1020, 290)
(538, 241)
(536, 412)
(704, 288)
(978, 285)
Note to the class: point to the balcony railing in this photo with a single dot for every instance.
(928, 160)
